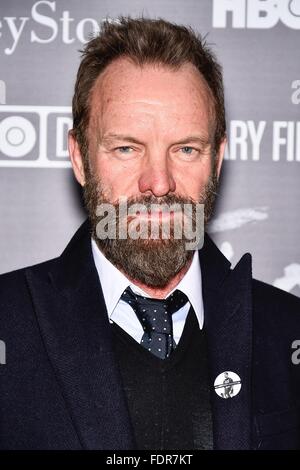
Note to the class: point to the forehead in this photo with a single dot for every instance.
(150, 91)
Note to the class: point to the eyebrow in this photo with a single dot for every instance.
(202, 140)
(113, 137)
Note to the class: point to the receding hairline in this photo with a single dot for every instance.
(159, 66)
(152, 41)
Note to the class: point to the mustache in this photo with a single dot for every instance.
(150, 200)
(164, 208)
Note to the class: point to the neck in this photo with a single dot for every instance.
(162, 292)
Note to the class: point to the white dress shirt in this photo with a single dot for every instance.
(114, 282)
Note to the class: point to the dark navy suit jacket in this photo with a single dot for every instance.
(61, 388)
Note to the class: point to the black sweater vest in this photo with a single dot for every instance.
(168, 400)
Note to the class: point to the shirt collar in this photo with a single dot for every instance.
(114, 282)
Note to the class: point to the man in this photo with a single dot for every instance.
(228, 388)
(117, 343)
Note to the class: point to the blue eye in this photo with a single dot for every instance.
(124, 149)
(189, 150)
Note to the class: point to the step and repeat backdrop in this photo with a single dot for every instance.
(258, 44)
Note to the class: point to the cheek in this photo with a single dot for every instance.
(116, 180)
(192, 179)
(104, 176)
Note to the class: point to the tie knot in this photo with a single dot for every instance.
(155, 314)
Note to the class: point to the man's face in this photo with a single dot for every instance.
(150, 138)
(150, 131)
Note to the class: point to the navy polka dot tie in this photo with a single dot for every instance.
(155, 316)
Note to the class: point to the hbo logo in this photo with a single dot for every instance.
(256, 13)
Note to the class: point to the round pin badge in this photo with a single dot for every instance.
(228, 384)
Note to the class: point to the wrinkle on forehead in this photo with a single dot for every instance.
(158, 92)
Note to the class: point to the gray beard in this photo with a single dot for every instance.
(153, 262)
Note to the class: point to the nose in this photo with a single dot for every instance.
(157, 179)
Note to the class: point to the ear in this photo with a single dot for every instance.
(76, 158)
(220, 156)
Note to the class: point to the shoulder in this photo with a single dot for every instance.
(275, 309)
(16, 278)
(267, 295)
(15, 299)
(15, 296)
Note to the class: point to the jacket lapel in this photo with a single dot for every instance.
(74, 324)
(228, 324)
